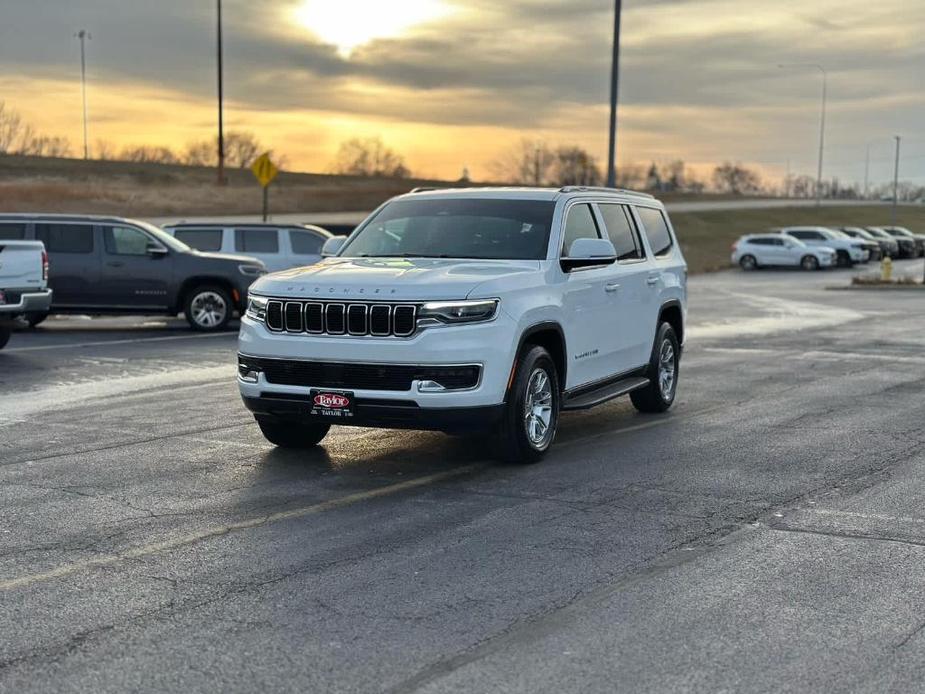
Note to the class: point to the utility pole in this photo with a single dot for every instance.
(221, 125)
(83, 35)
(787, 181)
(825, 79)
(614, 89)
(896, 180)
(536, 165)
(867, 172)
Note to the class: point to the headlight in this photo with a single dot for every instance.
(458, 311)
(251, 270)
(256, 308)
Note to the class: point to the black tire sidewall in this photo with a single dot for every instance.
(516, 445)
(665, 331)
(187, 304)
(5, 333)
(809, 262)
(754, 263)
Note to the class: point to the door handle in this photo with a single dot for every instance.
(115, 263)
(652, 281)
(612, 287)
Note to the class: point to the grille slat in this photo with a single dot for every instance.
(336, 318)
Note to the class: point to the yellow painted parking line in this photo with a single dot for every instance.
(219, 531)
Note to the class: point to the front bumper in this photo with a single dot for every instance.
(491, 345)
(27, 301)
(370, 412)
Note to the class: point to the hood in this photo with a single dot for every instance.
(406, 279)
(230, 257)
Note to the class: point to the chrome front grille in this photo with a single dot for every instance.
(341, 318)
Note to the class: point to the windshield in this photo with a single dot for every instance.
(460, 228)
(162, 236)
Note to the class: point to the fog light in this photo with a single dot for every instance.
(430, 387)
(247, 373)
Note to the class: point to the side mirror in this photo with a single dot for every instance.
(332, 246)
(588, 253)
(156, 251)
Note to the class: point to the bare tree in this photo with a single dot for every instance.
(631, 176)
(241, 148)
(736, 179)
(369, 157)
(528, 162)
(574, 166)
(149, 154)
(201, 153)
(14, 132)
(44, 146)
(104, 150)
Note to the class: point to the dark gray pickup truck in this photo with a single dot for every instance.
(111, 265)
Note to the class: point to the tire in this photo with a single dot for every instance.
(5, 333)
(809, 262)
(662, 372)
(292, 434)
(34, 319)
(843, 259)
(522, 436)
(748, 262)
(208, 308)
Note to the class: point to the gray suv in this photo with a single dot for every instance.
(113, 265)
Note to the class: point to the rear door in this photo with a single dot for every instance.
(261, 243)
(132, 277)
(664, 270)
(74, 262)
(633, 304)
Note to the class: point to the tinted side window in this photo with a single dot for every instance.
(125, 241)
(12, 231)
(256, 240)
(579, 224)
(656, 229)
(65, 238)
(200, 239)
(760, 242)
(622, 232)
(305, 242)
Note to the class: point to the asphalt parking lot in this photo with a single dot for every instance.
(767, 534)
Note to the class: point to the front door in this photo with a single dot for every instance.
(133, 275)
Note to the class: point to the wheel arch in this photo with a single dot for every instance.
(550, 336)
(672, 313)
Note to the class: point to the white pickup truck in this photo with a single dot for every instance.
(23, 283)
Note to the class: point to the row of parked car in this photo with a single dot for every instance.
(813, 248)
(113, 265)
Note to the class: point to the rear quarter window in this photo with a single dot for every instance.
(200, 239)
(305, 242)
(656, 227)
(12, 232)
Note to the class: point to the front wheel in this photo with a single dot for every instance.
(5, 333)
(208, 308)
(292, 434)
(809, 262)
(531, 415)
(662, 372)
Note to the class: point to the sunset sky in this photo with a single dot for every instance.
(451, 83)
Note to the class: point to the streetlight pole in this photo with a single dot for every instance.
(614, 87)
(896, 179)
(221, 125)
(83, 35)
(867, 172)
(825, 79)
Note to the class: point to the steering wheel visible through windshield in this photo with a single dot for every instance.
(456, 228)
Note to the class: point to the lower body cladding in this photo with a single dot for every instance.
(443, 378)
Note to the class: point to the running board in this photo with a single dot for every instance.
(604, 393)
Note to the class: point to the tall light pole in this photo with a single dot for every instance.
(896, 179)
(825, 79)
(614, 88)
(221, 125)
(83, 35)
(867, 172)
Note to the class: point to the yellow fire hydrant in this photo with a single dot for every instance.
(886, 269)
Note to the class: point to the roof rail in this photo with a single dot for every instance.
(602, 189)
(423, 189)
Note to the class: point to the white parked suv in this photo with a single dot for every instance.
(847, 250)
(753, 251)
(471, 309)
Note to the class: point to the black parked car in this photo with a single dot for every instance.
(907, 245)
(111, 265)
(903, 233)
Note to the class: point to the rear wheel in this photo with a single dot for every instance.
(292, 434)
(748, 262)
(5, 333)
(843, 259)
(208, 308)
(662, 372)
(528, 425)
(809, 262)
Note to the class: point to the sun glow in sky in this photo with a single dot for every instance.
(349, 24)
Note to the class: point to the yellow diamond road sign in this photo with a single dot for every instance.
(264, 169)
